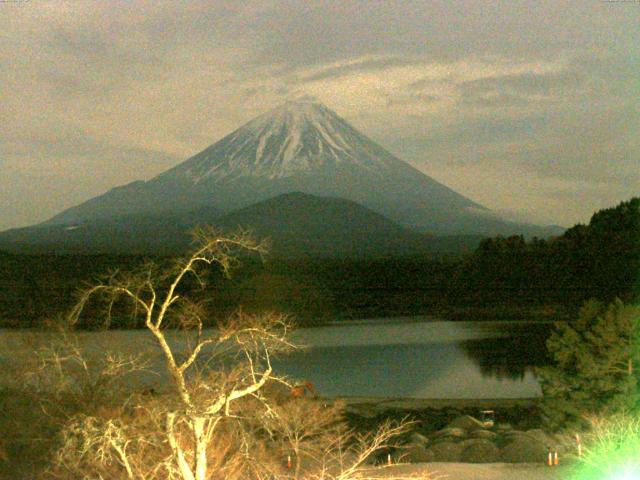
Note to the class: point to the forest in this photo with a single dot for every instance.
(505, 277)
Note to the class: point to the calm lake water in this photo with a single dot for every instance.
(421, 359)
(401, 358)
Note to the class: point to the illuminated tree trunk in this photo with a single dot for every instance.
(200, 448)
(178, 453)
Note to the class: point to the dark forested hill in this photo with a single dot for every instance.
(299, 226)
(599, 260)
(510, 277)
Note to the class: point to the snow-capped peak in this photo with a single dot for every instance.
(299, 136)
(299, 146)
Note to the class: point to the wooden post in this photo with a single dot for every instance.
(579, 445)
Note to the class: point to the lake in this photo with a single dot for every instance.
(413, 357)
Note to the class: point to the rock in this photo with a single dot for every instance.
(503, 427)
(363, 411)
(524, 449)
(446, 451)
(417, 454)
(418, 439)
(513, 435)
(450, 433)
(466, 422)
(543, 437)
(566, 443)
(484, 434)
(479, 451)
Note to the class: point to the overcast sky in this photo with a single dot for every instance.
(530, 108)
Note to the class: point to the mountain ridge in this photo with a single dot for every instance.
(300, 146)
(299, 225)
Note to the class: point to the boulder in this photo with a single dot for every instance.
(565, 443)
(363, 411)
(418, 439)
(450, 433)
(416, 454)
(543, 437)
(484, 434)
(479, 451)
(514, 433)
(446, 451)
(466, 422)
(503, 427)
(524, 449)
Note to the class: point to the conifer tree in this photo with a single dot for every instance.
(596, 361)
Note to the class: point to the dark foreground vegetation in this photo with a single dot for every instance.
(509, 278)
(219, 411)
(199, 405)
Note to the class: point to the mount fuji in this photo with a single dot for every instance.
(300, 146)
(296, 158)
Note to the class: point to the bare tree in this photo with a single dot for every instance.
(303, 429)
(347, 456)
(204, 395)
(217, 419)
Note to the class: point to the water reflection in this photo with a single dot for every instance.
(381, 358)
(519, 349)
(421, 360)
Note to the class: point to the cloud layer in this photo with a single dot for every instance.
(531, 109)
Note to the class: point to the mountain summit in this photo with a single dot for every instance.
(295, 138)
(300, 146)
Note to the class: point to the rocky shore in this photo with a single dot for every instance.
(451, 430)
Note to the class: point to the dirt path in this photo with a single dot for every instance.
(476, 471)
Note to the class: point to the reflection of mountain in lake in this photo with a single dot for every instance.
(511, 356)
(429, 370)
(419, 359)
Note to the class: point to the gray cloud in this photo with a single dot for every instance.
(303, 33)
(527, 82)
(367, 65)
(530, 103)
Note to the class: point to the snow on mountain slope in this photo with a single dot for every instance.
(297, 137)
(300, 146)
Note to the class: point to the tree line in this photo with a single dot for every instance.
(600, 260)
(508, 276)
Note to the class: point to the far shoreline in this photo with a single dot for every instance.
(462, 314)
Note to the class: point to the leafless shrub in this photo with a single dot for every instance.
(302, 429)
(348, 456)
